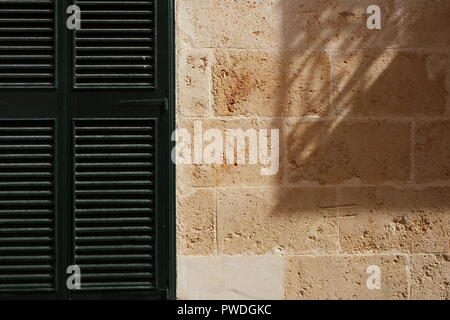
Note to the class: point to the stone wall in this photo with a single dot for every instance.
(365, 149)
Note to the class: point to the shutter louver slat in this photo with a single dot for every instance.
(27, 214)
(27, 44)
(114, 204)
(115, 46)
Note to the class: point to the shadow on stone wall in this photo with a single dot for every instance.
(365, 119)
(365, 172)
(374, 134)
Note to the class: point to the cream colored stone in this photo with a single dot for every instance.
(430, 277)
(286, 220)
(333, 152)
(432, 151)
(339, 25)
(344, 277)
(196, 223)
(203, 175)
(229, 23)
(379, 219)
(271, 83)
(194, 83)
(231, 278)
(391, 83)
(276, 58)
(183, 184)
(427, 23)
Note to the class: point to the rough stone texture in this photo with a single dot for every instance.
(432, 154)
(380, 219)
(339, 25)
(196, 223)
(231, 174)
(231, 278)
(430, 277)
(194, 83)
(287, 220)
(364, 157)
(229, 23)
(271, 83)
(427, 23)
(344, 277)
(333, 152)
(391, 83)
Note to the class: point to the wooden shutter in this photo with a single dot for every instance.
(27, 206)
(116, 44)
(85, 171)
(28, 116)
(27, 43)
(115, 203)
(120, 138)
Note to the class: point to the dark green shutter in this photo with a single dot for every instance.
(85, 170)
(115, 203)
(27, 206)
(27, 43)
(116, 45)
(28, 212)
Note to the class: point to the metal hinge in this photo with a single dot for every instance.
(161, 103)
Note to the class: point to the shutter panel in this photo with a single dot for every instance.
(78, 167)
(115, 203)
(27, 207)
(115, 189)
(115, 46)
(27, 43)
(28, 250)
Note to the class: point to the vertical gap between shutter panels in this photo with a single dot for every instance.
(115, 46)
(27, 213)
(27, 43)
(114, 203)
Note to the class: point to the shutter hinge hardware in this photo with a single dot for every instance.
(162, 103)
(166, 105)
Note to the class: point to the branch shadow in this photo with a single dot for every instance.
(366, 124)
